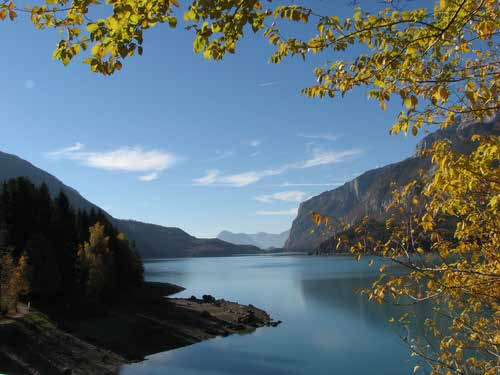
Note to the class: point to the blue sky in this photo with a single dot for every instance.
(176, 140)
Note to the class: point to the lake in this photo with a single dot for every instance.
(327, 328)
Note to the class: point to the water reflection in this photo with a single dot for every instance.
(339, 295)
(326, 329)
(214, 359)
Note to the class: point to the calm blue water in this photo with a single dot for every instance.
(326, 328)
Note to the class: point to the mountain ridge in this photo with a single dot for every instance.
(371, 192)
(153, 241)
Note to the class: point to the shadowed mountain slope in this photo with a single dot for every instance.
(153, 241)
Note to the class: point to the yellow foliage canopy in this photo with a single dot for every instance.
(14, 281)
(442, 63)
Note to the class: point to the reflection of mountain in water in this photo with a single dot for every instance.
(338, 295)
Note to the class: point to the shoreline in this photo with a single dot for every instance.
(142, 324)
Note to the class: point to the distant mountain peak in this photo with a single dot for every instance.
(262, 240)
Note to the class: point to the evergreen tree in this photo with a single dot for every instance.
(64, 237)
(130, 270)
(68, 251)
(46, 276)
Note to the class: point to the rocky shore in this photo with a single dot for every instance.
(144, 323)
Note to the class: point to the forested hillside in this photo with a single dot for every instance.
(70, 253)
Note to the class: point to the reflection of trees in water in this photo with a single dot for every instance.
(338, 294)
(163, 270)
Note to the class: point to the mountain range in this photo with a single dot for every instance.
(262, 240)
(153, 241)
(370, 193)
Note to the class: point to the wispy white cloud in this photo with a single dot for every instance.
(324, 137)
(255, 143)
(127, 159)
(209, 178)
(283, 196)
(291, 212)
(149, 177)
(292, 184)
(319, 157)
(266, 84)
(254, 154)
(66, 150)
(323, 157)
(247, 178)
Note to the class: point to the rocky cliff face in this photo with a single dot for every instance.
(153, 241)
(370, 193)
